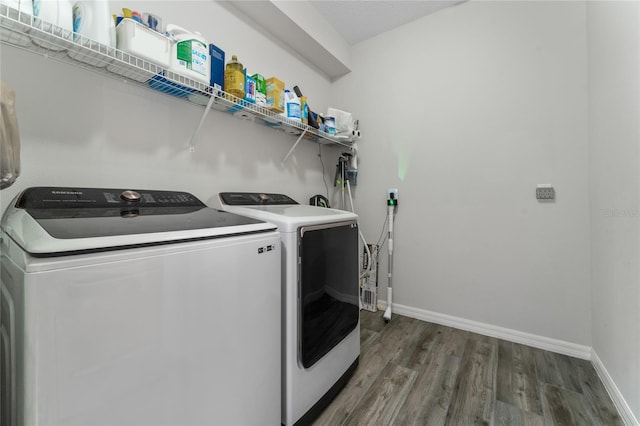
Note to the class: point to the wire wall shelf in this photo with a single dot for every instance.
(23, 31)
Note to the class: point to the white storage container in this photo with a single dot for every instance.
(93, 27)
(22, 11)
(56, 12)
(189, 54)
(92, 19)
(292, 105)
(24, 6)
(139, 40)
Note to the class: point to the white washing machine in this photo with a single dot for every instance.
(321, 333)
(137, 308)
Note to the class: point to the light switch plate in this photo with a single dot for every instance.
(545, 192)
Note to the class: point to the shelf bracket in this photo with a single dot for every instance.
(194, 137)
(295, 144)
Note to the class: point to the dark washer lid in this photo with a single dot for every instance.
(53, 219)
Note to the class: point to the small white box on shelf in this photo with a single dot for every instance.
(138, 40)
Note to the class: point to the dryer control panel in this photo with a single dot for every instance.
(254, 199)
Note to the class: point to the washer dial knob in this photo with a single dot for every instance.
(130, 196)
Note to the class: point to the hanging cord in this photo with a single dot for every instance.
(382, 240)
(326, 187)
(383, 236)
(366, 246)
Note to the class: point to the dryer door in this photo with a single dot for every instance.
(328, 307)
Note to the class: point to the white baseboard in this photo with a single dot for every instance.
(618, 400)
(541, 342)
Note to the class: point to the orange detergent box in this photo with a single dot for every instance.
(275, 92)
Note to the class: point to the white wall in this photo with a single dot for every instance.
(465, 111)
(81, 129)
(614, 135)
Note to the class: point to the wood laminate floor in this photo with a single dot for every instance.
(416, 373)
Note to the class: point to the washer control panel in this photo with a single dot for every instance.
(254, 199)
(130, 195)
(66, 198)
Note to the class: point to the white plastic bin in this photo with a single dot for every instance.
(138, 40)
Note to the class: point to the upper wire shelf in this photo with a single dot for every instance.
(23, 31)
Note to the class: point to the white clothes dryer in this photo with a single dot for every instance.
(138, 308)
(321, 333)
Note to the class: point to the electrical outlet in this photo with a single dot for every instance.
(392, 197)
(545, 192)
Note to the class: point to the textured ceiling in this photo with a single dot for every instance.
(358, 20)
